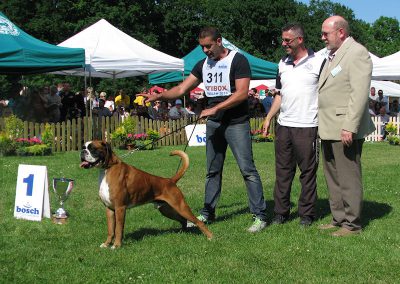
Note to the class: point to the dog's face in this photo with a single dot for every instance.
(95, 154)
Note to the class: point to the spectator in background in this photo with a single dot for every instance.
(267, 101)
(53, 105)
(68, 102)
(80, 103)
(384, 117)
(156, 110)
(394, 110)
(371, 107)
(252, 100)
(177, 111)
(372, 94)
(101, 110)
(122, 99)
(109, 102)
(164, 110)
(383, 101)
(190, 106)
(259, 110)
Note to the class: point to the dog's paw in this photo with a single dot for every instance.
(104, 245)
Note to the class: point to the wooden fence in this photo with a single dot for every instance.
(71, 135)
(379, 125)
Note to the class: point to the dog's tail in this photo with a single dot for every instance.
(183, 168)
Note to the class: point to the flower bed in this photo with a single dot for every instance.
(258, 136)
(11, 144)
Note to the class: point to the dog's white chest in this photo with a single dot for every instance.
(104, 193)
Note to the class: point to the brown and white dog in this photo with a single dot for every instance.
(124, 186)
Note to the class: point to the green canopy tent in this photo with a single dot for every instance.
(260, 69)
(23, 54)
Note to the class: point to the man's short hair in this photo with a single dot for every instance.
(295, 27)
(210, 32)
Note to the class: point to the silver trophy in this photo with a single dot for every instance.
(62, 188)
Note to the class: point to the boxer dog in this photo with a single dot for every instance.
(124, 186)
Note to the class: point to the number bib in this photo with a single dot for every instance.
(216, 76)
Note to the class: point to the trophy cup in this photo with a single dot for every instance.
(62, 188)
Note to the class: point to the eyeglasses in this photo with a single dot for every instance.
(288, 40)
(325, 34)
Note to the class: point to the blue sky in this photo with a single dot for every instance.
(370, 10)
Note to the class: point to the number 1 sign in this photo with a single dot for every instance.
(32, 193)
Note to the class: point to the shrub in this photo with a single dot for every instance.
(34, 150)
(47, 135)
(7, 145)
(14, 126)
(120, 135)
(393, 139)
(144, 144)
(153, 135)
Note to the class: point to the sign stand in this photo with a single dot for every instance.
(32, 193)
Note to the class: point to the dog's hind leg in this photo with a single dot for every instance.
(110, 227)
(166, 210)
(175, 199)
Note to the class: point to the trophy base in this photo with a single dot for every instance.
(59, 220)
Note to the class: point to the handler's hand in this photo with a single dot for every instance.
(150, 97)
(208, 112)
(347, 137)
(265, 128)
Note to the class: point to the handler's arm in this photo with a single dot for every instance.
(188, 84)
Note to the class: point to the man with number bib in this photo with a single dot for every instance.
(226, 76)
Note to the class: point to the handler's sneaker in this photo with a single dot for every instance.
(202, 218)
(258, 225)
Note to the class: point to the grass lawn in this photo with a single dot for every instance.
(156, 251)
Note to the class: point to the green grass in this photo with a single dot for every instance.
(156, 251)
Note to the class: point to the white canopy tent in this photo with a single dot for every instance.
(111, 53)
(387, 68)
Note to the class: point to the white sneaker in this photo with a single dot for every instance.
(200, 217)
(258, 225)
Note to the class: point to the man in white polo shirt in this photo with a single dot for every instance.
(296, 131)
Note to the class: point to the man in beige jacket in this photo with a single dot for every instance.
(344, 122)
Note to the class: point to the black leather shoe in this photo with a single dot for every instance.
(279, 219)
(306, 221)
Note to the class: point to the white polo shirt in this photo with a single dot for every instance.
(299, 90)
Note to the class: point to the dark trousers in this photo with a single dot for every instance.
(342, 169)
(296, 146)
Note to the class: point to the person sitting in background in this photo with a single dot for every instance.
(252, 101)
(122, 99)
(109, 102)
(371, 107)
(384, 120)
(177, 111)
(190, 106)
(259, 110)
(383, 101)
(164, 110)
(395, 109)
(101, 110)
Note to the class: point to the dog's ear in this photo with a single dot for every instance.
(108, 152)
